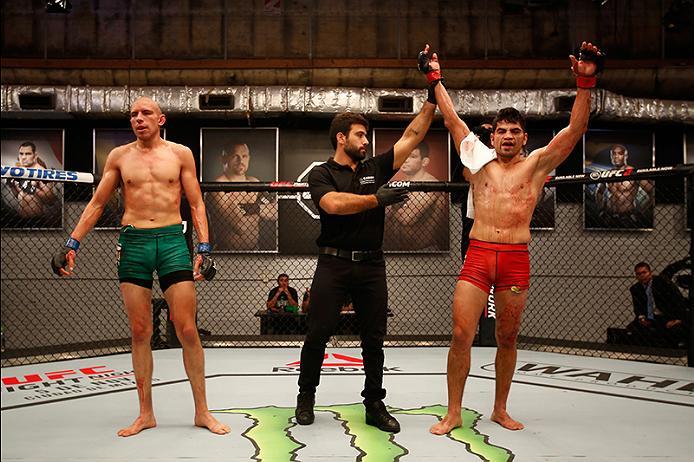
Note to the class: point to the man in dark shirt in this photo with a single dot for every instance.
(282, 296)
(659, 307)
(351, 195)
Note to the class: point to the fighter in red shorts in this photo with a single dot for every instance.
(504, 266)
(505, 187)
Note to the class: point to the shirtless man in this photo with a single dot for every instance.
(34, 197)
(416, 224)
(506, 186)
(619, 205)
(239, 214)
(152, 174)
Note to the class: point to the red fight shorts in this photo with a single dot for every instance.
(506, 266)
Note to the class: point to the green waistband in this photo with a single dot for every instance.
(164, 230)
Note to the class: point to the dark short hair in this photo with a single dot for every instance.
(642, 264)
(342, 123)
(423, 149)
(28, 144)
(280, 276)
(509, 114)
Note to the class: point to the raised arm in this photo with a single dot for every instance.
(584, 68)
(414, 134)
(432, 68)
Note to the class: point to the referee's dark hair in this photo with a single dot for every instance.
(342, 123)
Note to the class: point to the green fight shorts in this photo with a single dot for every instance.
(141, 252)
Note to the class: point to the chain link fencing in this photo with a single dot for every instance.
(583, 252)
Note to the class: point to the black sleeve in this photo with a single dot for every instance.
(674, 305)
(294, 293)
(320, 183)
(271, 294)
(385, 165)
(638, 302)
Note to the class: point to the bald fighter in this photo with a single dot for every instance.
(617, 201)
(153, 173)
(506, 186)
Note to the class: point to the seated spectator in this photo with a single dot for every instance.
(660, 309)
(282, 298)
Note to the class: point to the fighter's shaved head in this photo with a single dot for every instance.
(148, 102)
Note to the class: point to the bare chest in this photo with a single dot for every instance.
(510, 182)
(621, 186)
(156, 168)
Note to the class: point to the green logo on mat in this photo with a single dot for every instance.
(272, 440)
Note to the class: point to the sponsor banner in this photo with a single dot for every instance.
(616, 379)
(35, 386)
(333, 363)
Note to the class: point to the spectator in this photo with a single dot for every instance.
(660, 310)
(282, 298)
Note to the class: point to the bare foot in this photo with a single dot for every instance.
(505, 420)
(215, 426)
(141, 423)
(446, 425)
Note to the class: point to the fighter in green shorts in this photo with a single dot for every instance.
(143, 251)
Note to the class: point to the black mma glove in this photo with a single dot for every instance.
(207, 266)
(433, 75)
(592, 56)
(388, 196)
(60, 258)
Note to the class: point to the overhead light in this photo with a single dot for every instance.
(58, 6)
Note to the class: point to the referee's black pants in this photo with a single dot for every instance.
(335, 278)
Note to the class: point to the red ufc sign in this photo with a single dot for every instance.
(56, 375)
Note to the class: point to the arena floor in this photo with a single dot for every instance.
(574, 409)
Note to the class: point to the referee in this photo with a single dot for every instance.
(351, 195)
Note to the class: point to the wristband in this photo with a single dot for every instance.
(586, 82)
(204, 248)
(433, 76)
(431, 95)
(72, 243)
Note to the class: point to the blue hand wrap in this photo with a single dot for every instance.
(204, 248)
(73, 244)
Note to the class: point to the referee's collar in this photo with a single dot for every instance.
(333, 164)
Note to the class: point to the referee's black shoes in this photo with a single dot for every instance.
(304, 408)
(378, 416)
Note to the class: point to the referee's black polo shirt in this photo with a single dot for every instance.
(360, 231)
